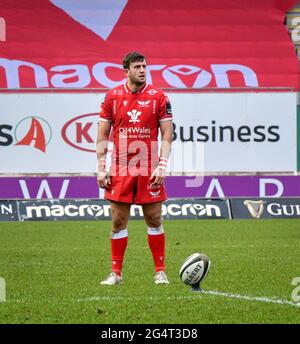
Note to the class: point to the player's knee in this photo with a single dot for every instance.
(119, 223)
(154, 221)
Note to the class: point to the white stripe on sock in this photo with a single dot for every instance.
(155, 230)
(123, 233)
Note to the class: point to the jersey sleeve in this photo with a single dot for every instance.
(105, 110)
(165, 109)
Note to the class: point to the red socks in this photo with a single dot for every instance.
(156, 241)
(118, 243)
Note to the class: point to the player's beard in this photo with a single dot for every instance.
(140, 83)
(137, 82)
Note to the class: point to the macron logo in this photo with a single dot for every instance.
(134, 114)
(99, 16)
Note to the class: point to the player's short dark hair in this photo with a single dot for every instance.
(132, 57)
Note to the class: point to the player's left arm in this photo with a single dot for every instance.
(166, 129)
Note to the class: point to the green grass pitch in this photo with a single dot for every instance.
(52, 272)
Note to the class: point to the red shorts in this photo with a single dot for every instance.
(134, 189)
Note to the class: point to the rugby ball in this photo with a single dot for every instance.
(194, 269)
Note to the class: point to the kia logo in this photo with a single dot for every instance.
(80, 132)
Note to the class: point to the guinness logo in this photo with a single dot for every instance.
(255, 208)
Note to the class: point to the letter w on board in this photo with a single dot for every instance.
(44, 188)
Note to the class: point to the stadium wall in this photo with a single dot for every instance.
(28, 177)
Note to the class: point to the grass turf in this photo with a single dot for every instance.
(53, 269)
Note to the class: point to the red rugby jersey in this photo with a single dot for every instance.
(135, 119)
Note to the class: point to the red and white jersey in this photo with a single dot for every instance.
(135, 119)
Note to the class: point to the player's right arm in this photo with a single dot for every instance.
(103, 132)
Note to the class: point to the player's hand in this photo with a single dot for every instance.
(158, 176)
(103, 179)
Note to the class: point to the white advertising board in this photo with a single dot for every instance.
(214, 132)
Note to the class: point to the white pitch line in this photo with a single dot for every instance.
(252, 298)
(192, 297)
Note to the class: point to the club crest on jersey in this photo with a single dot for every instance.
(143, 103)
(154, 193)
(152, 92)
(134, 114)
(154, 190)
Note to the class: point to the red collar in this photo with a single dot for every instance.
(140, 90)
